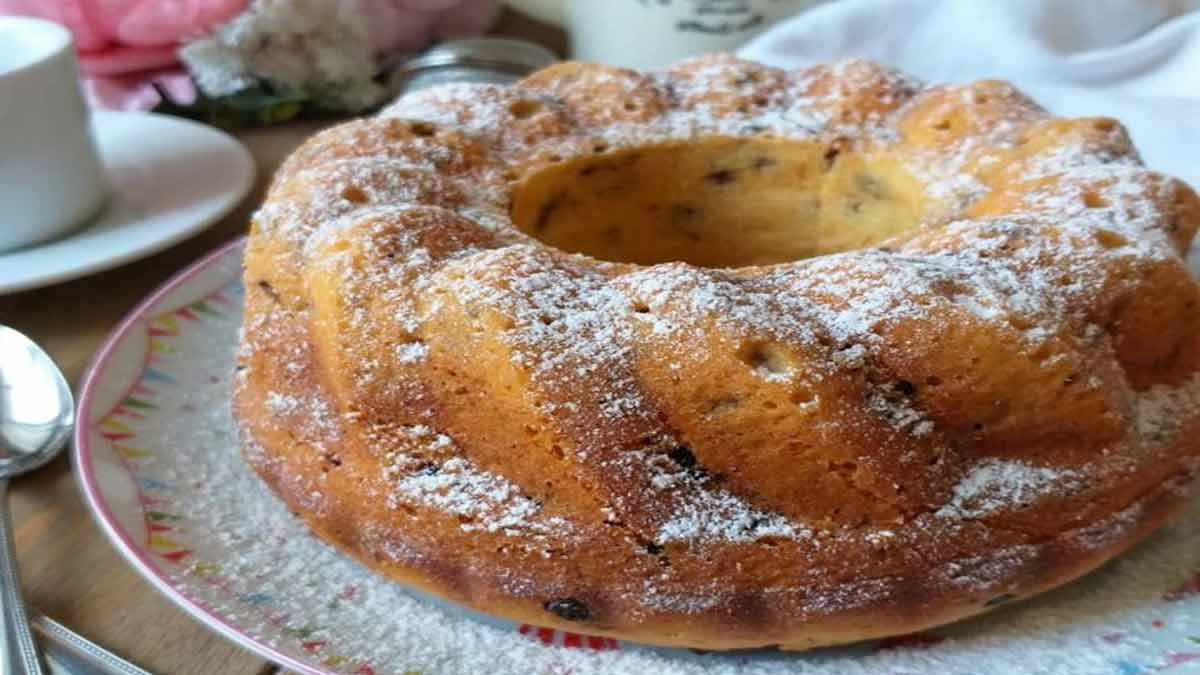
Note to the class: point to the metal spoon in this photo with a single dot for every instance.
(69, 653)
(37, 414)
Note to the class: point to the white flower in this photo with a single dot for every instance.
(314, 46)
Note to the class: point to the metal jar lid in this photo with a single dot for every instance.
(484, 59)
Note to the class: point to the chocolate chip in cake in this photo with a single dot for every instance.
(524, 108)
(722, 176)
(568, 608)
(354, 195)
(682, 455)
(267, 288)
(831, 156)
(547, 212)
(424, 129)
(905, 387)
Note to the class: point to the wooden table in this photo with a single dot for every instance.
(69, 569)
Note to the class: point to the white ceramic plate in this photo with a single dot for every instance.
(171, 178)
(157, 459)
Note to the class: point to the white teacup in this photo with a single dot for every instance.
(51, 179)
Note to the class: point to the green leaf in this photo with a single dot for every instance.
(255, 106)
(280, 112)
(261, 98)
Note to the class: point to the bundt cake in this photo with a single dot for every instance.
(724, 356)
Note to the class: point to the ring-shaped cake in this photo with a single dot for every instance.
(724, 356)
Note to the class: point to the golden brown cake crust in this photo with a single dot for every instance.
(946, 358)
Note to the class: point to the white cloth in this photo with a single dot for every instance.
(1135, 60)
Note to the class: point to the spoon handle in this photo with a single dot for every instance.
(96, 660)
(18, 652)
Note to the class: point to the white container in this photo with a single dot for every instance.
(51, 179)
(649, 34)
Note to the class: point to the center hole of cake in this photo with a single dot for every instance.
(717, 202)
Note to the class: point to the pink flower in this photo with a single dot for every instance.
(127, 46)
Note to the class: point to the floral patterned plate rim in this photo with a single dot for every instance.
(92, 484)
(157, 461)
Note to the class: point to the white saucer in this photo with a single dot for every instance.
(171, 178)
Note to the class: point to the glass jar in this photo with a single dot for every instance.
(485, 59)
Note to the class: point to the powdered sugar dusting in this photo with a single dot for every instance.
(304, 412)
(482, 500)
(411, 352)
(488, 500)
(695, 509)
(1158, 411)
(891, 402)
(721, 516)
(569, 328)
(995, 484)
(705, 513)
